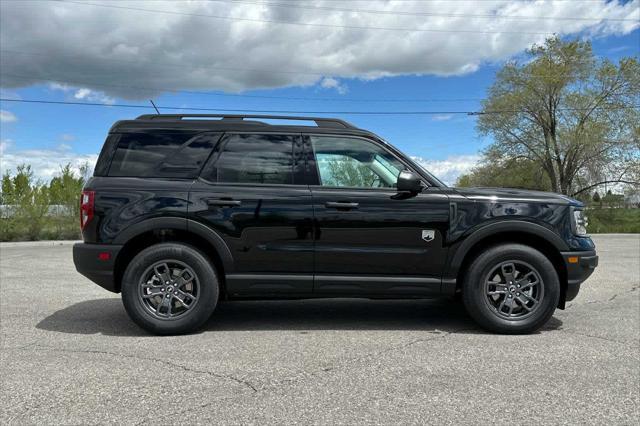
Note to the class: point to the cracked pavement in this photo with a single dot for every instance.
(70, 355)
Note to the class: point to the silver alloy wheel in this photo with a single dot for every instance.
(169, 289)
(514, 290)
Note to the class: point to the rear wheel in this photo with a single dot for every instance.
(511, 289)
(170, 288)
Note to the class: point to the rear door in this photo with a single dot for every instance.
(371, 240)
(252, 194)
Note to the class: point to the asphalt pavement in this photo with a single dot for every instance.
(70, 355)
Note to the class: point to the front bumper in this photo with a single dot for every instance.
(97, 262)
(580, 265)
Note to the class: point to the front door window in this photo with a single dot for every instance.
(354, 163)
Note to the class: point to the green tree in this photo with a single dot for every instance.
(28, 201)
(7, 188)
(572, 115)
(495, 171)
(64, 193)
(65, 190)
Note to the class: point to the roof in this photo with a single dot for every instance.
(226, 122)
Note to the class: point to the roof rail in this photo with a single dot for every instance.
(335, 123)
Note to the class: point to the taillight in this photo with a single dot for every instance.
(86, 208)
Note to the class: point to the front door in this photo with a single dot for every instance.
(370, 239)
(249, 195)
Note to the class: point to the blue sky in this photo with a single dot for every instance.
(49, 135)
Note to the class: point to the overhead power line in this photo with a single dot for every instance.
(430, 1)
(306, 24)
(300, 5)
(42, 101)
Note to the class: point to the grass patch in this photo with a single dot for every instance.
(51, 228)
(613, 220)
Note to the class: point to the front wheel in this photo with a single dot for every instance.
(170, 288)
(511, 289)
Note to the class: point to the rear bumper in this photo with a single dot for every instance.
(97, 262)
(578, 270)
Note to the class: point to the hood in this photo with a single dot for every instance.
(517, 195)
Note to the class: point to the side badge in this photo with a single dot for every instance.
(428, 235)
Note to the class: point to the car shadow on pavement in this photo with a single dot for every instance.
(107, 316)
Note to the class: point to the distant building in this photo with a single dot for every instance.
(54, 210)
(632, 200)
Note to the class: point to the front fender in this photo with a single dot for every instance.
(459, 250)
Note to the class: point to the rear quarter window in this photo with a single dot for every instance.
(104, 159)
(161, 155)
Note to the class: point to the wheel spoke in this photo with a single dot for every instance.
(502, 304)
(524, 304)
(495, 288)
(181, 280)
(525, 281)
(182, 298)
(166, 303)
(535, 302)
(508, 271)
(185, 295)
(151, 292)
(165, 276)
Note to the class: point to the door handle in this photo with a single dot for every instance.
(340, 205)
(223, 202)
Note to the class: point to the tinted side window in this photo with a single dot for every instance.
(161, 155)
(255, 159)
(355, 163)
(188, 160)
(104, 159)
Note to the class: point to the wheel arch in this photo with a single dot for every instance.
(158, 230)
(525, 233)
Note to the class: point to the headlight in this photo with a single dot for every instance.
(579, 223)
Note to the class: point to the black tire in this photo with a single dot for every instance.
(487, 310)
(142, 311)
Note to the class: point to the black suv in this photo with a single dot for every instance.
(184, 211)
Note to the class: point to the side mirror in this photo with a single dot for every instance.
(409, 182)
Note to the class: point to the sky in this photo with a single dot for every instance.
(325, 58)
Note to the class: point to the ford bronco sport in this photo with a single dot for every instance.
(186, 210)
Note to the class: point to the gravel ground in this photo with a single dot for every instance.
(70, 355)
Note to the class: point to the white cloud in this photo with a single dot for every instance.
(87, 46)
(4, 145)
(59, 86)
(45, 163)
(67, 137)
(450, 169)
(441, 117)
(93, 96)
(83, 93)
(7, 116)
(333, 83)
